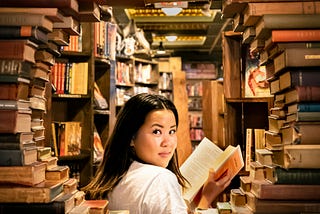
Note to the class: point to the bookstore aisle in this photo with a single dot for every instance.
(281, 159)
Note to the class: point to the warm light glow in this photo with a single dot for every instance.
(171, 38)
(173, 11)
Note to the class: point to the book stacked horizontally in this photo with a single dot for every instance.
(284, 174)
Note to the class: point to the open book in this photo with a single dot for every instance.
(208, 155)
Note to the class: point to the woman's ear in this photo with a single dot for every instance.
(132, 142)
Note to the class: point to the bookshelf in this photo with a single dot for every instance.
(135, 75)
(241, 112)
(196, 73)
(82, 108)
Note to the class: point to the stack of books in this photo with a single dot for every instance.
(284, 174)
(30, 177)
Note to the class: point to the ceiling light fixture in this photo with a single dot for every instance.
(171, 38)
(173, 11)
(171, 8)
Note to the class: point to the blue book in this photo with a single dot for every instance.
(304, 107)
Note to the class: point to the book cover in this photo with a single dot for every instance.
(303, 116)
(255, 10)
(68, 7)
(300, 77)
(53, 14)
(24, 19)
(28, 175)
(281, 206)
(97, 206)
(303, 107)
(208, 155)
(17, 157)
(17, 145)
(33, 33)
(14, 91)
(268, 22)
(266, 190)
(302, 94)
(297, 57)
(300, 133)
(255, 83)
(15, 67)
(58, 173)
(13, 121)
(275, 123)
(18, 50)
(44, 192)
(304, 176)
(298, 35)
(301, 156)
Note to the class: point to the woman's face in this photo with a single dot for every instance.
(156, 140)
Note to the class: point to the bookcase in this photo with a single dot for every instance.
(135, 75)
(82, 108)
(241, 112)
(196, 73)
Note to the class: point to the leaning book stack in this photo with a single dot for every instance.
(284, 174)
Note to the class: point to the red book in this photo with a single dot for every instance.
(18, 49)
(299, 35)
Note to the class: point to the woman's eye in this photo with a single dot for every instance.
(172, 132)
(156, 131)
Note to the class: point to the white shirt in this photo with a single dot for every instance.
(148, 189)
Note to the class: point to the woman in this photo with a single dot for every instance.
(140, 171)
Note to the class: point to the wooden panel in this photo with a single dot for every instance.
(180, 99)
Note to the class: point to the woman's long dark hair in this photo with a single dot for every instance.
(118, 154)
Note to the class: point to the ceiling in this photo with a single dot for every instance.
(199, 36)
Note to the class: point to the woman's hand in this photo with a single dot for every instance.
(212, 188)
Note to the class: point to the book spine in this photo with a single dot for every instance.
(297, 57)
(11, 157)
(294, 154)
(305, 78)
(8, 121)
(303, 35)
(17, 32)
(297, 176)
(13, 67)
(308, 93)
(308, 107)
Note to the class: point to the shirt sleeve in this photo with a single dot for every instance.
(164, 196)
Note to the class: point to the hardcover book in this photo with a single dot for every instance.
(301, 156)
(68, 7)
(17, 157)
(18, 50)
(300, 77)
(33, 33)
(28, 175)
(304, 176)
(300, 133)
(14, 91)
(302, 94)
(299, 35)
(297, 57)
(43, 193)
(24, 19)
(254, 10)
(13, 121)
(268, 22)
(266, 190)
(58, 173)
(16, 67)
(208, 155)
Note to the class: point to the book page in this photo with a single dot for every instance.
(208, 155)
(195, 169)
